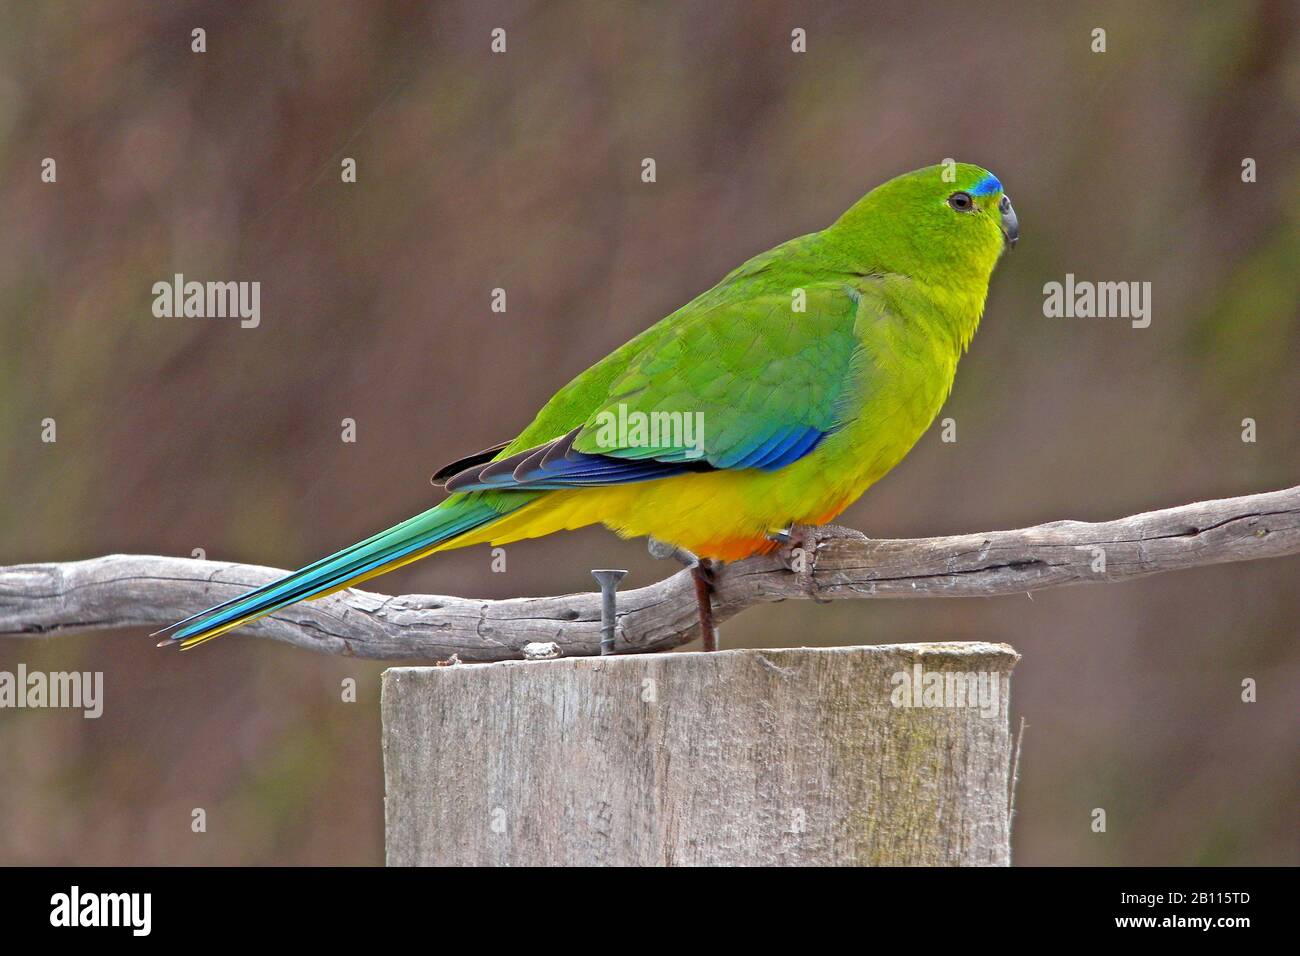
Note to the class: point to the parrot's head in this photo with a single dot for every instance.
(944, 223)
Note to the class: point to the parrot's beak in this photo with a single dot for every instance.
(1010, 224)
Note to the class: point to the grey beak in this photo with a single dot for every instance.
(1010, 224)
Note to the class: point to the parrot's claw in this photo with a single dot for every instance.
(829, 532)
(800, 545)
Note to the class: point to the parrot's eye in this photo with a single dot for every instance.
(961, 202)
(1005, 204)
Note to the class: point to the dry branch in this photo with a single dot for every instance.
(148, 591)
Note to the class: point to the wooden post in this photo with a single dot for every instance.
(807, 756)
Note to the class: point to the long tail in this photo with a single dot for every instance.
(401, 544)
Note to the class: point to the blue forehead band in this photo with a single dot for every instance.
(989, 184)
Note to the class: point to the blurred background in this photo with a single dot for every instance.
(522, 171)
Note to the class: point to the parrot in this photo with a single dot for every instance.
(770, 402)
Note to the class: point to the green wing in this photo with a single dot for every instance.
(731, 380)
(760, 382)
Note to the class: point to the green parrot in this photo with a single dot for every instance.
(773, 400)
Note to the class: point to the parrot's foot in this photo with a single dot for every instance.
(703, 575)
(799, 546)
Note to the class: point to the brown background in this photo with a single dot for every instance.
(522, 171)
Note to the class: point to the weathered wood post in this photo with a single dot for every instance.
(891, 754)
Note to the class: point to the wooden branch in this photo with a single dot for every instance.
(146, 591)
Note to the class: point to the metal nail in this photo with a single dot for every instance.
(608, 580)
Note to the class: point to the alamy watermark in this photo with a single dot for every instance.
(208, 300)
(78, 690)
(1083, 299)
(921, 688)
(75, 908)
(622, 428)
